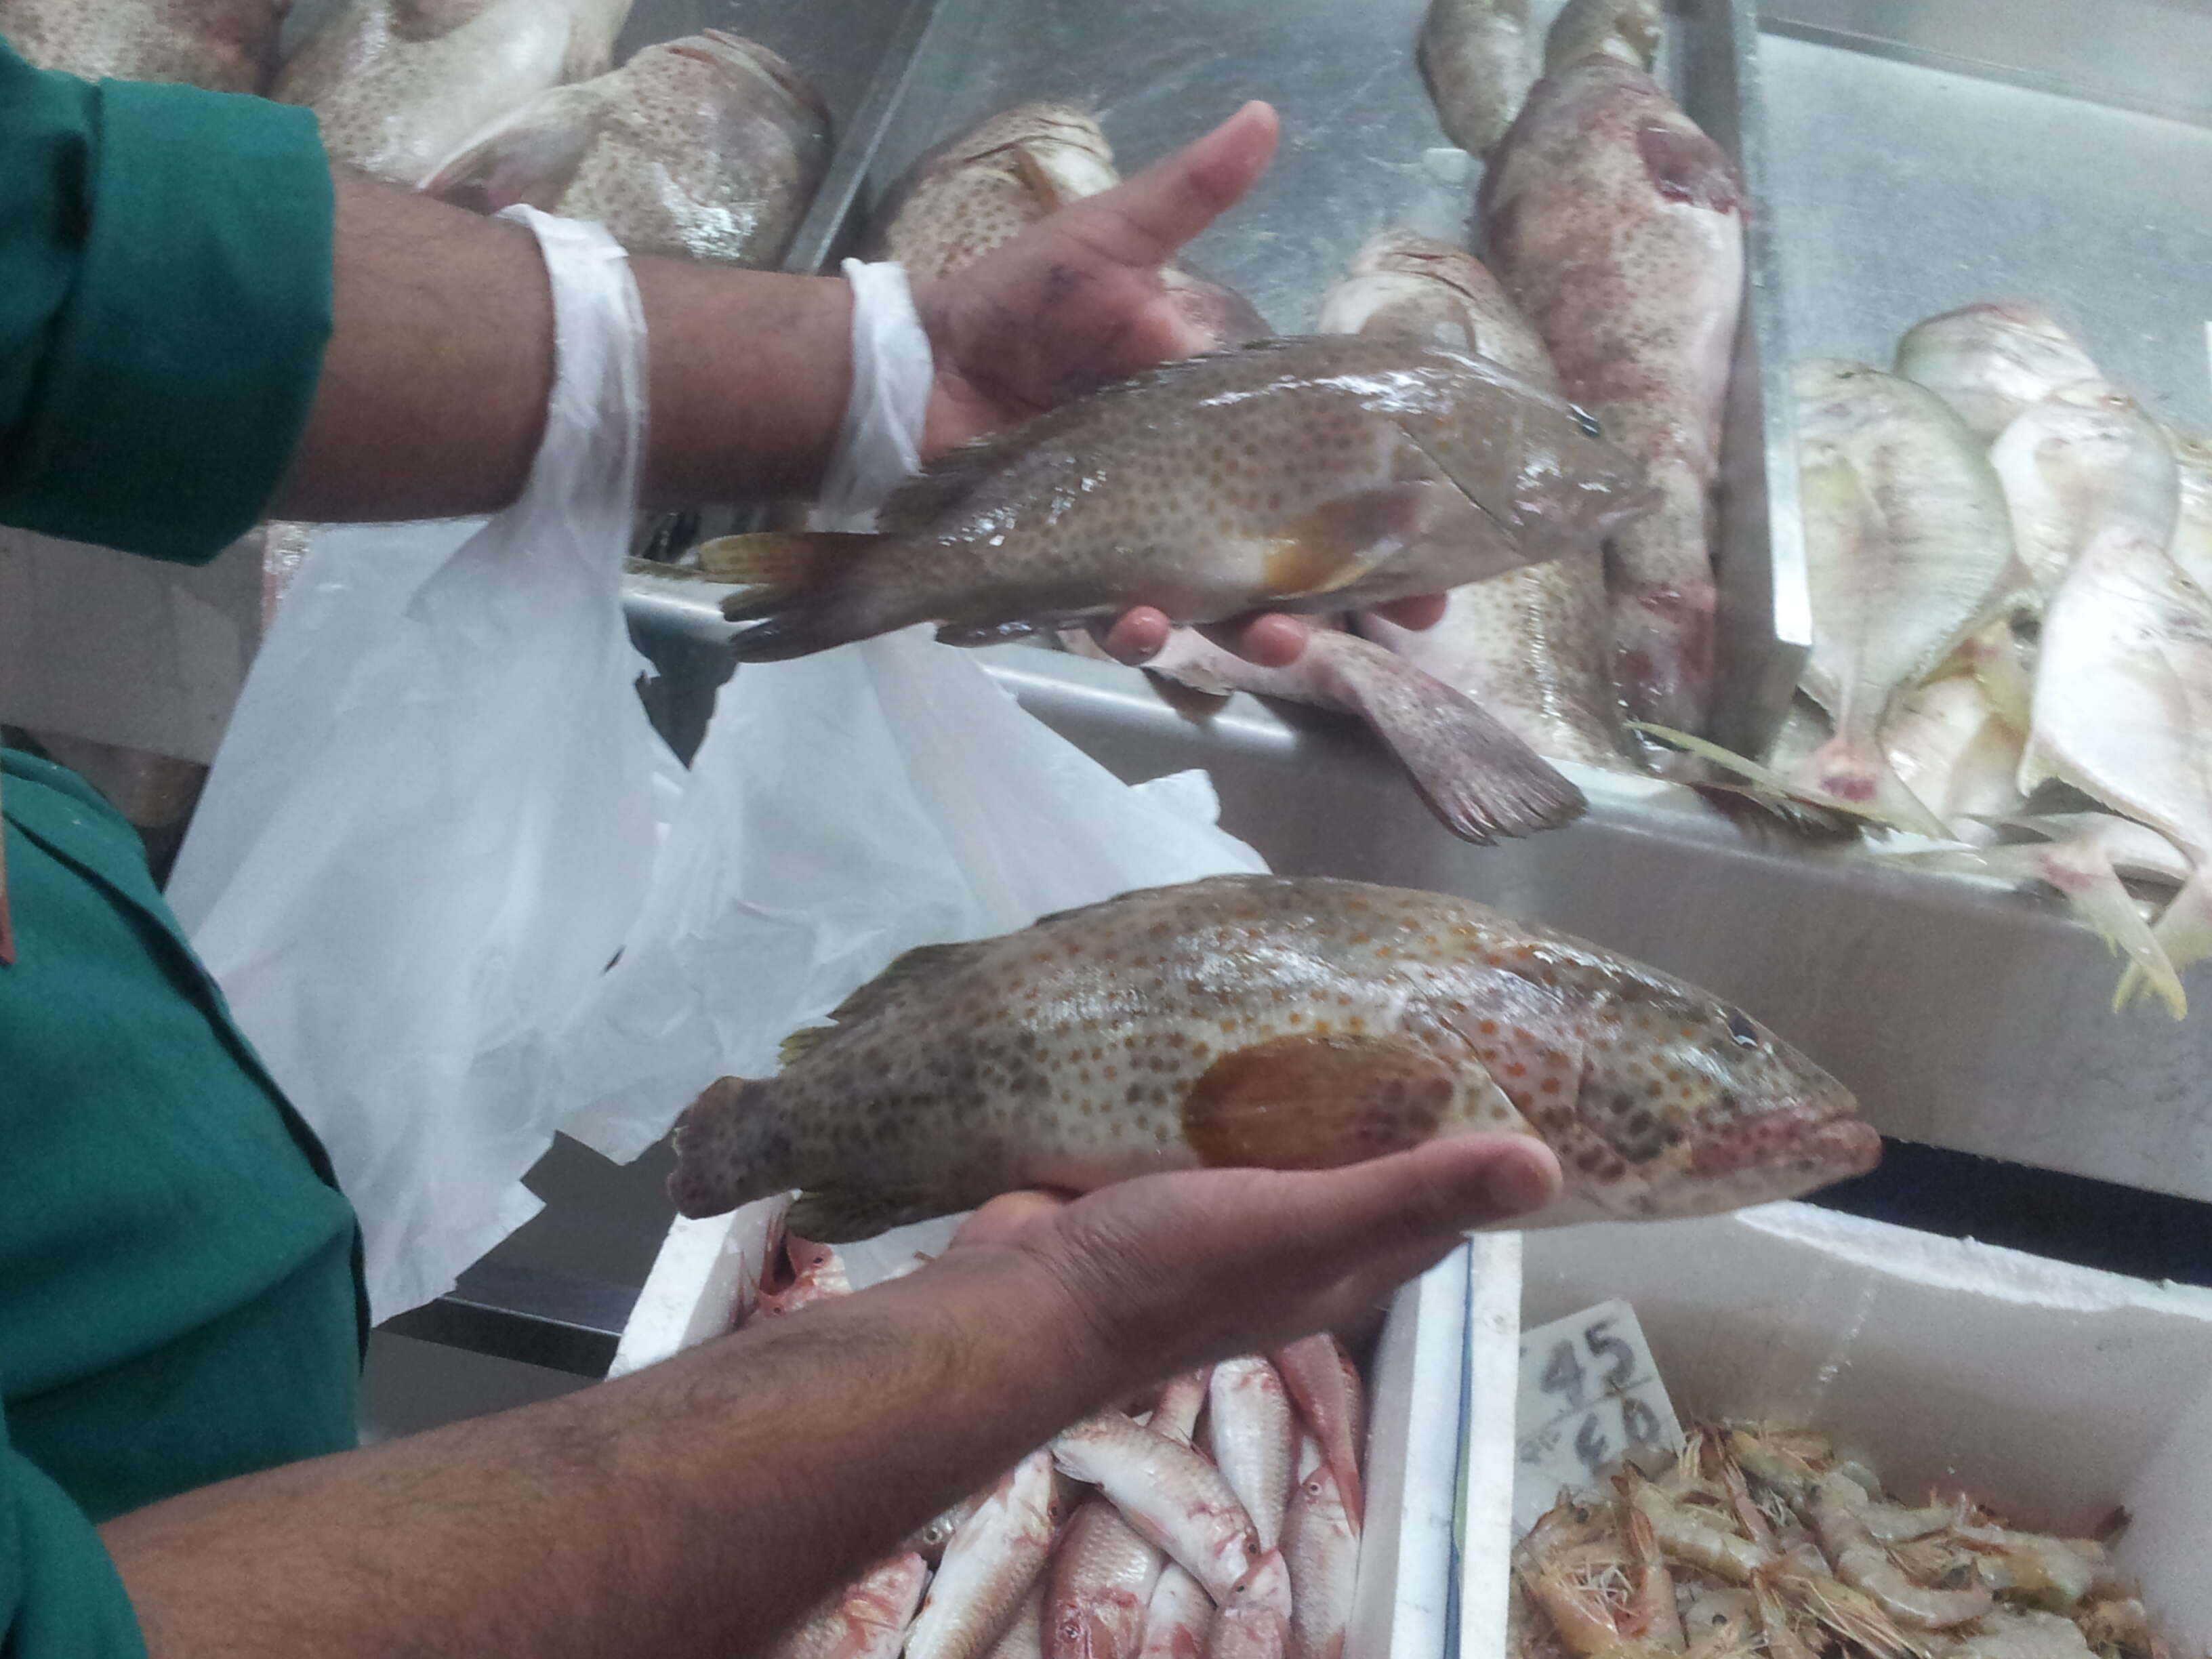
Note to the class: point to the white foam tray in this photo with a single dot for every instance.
(2053, 1392)
(1418, 1388)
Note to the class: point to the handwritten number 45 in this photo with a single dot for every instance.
(1564, 1372)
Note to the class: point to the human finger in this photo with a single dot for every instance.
(1269, 638)
(1143, 222)
(1416, 614)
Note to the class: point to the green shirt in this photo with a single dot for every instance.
(179, 1293)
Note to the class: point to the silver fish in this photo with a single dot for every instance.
(867, 1621)
(2079, 462)
(2124, 711)
(1099, 1587)
(1269, 1022)
(1990, 361)
(1323, 1380)
(707, 148)
(1617, 225)
(2191, 546)
(1254, 1440)
(399, 85)
(1476, 775)
(1630, 30)
(1297, 475)
(1175, 1499)
(1479, 60)
(1249, 1632)
(1532, 646)
(1949, 745)
(989, 1567)
(1025, 1634)
(1180, 1401)
(224, 46)
(1179, 1618)
(1910, 553)
(1321, 1544)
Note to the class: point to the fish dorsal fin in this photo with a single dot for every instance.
(884, 989)
(803, 1042)
(845, 1215)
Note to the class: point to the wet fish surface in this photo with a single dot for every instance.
(1099, 1587)
(1910, 552)
(397, 85)
(1321, 1545)
(1617, 226)
(2077, 463)
(869, 1619)
(224, 46)
(1630, 30)
(1270, 1022)
(1989, 362)
(1304, 474)
(1479, 60)
(992, 1561)
(2191, 546)
(707, 148)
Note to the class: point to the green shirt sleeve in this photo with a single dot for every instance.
(165, 297)
(59, 1593)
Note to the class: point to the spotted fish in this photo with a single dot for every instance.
(1271, 1022)
(1304, 474)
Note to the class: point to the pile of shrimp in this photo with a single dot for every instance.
(1758, 1541)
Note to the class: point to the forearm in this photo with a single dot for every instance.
(432, 392)
(695, 1508)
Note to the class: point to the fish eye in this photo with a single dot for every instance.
(1741, 1029)
(1586, 420)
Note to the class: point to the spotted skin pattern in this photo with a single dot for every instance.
(224, 46)
(1248, 1019)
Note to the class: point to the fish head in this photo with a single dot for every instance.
(1682, 1105)
(742, 66)
(1225, 317)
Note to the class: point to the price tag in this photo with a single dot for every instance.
(1589, 1392)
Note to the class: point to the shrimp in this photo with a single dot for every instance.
(1839, 1507)
(1754, 1520)
(2005, 1634)
(1782, 1641)
(1720, 1622)
(2045, 1568)
(1852, 1614)
(1893, 1523)
(1683, 1534)
(2120, 1629)
(1773, 1464)
(1652, 1612)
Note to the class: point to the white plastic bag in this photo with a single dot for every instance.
(846, 807)
(432, 820)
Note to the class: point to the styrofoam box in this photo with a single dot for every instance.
(1417, 1386)
(2051, 1392)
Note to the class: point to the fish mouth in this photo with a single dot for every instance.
(1804, 1148)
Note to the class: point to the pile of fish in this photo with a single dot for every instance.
(1221, 1518)
(1269, 1022)
(1756, 1539)
(2012, 625)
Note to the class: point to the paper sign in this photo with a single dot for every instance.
(1589, 1392)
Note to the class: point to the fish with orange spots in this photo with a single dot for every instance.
(1271, 1022)
(1300, 475)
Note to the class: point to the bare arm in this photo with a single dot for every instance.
(433, 393)
(700, 1506)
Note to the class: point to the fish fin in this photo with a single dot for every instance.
(1316, 1102)
(2184, 934)
(1038, 180)
(1855, 775)
(779, 562)
(972, 634)
(2037, 766)
(884, 989)
(726, 1142)
(1333, 545)
(530, 162)
(803, 1042)
(1474, 772)
(800, 602)
(845, 1215)
(1787, 793)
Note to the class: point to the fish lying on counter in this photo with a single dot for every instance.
(1529, 645)
(707, 148)
(1297, 475)
(1293, 1023)
(2080, 462)
(224, 46)
(1990, 361)
(1223, 1517)
(1630, 30)
(1617, 226)
(1479, 58)
(399, 85)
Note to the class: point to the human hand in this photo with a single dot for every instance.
(1168, 1272)
(1076, 302)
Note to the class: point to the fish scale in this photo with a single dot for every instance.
(1268, 1021)
(223, 45)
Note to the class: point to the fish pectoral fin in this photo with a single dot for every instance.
(1333, 545)
(1479, 777)
(779, 562)
(1318, 1101)
(845, 1215)
(803, 1042)
(531, 163)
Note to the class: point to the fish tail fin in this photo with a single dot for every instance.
(1474, 772)
(800, 600)
(1852, 772)
(2184, 934)
(731, 1144)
